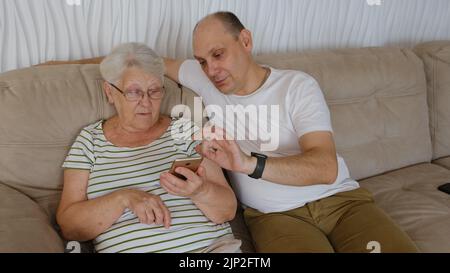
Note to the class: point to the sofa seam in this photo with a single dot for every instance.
(433, 98)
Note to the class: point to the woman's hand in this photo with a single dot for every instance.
(191, 187)
(147, 207)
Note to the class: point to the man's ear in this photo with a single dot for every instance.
(108, 92)
(246, 40)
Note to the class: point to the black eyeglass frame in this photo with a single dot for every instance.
(163, 91)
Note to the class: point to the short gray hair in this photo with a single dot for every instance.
(131, 55)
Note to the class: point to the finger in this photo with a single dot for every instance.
(166, 212)
(169, 186)
(159, 215)
(189, 174)
(225, 135)
(176, 182)
(201, 171)
(141, 214)
(211, 155)
(207, 144)
(200, 149)
(215, 146)
(150, 215)
(205, 149)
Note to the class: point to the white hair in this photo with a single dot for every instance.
(131, 55)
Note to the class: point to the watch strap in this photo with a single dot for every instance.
(260, 164)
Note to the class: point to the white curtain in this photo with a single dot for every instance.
(34, 31)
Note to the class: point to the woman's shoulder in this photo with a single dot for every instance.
(92, 129)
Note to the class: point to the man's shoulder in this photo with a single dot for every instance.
(295, 80)
(291, 74)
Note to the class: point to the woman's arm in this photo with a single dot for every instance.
(207, 188)
(216, 200)
(81, 219)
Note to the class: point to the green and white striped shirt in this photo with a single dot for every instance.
(113, 168)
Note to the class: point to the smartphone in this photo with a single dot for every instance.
(191, 163)
(445, 188)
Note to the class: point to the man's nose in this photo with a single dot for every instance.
(212, 69)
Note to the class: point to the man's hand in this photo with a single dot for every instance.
(224, 151)
(194, 185)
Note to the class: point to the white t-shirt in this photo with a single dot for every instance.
(288, 105)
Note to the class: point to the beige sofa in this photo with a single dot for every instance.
(390, 112)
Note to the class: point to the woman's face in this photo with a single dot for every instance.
(142, 114)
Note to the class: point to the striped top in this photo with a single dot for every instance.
(113, 168)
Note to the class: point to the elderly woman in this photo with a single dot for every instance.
(117, 190)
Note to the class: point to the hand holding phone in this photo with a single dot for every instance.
(191, 163)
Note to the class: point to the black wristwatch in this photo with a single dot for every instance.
(260, 164)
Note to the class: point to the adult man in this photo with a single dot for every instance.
(299, 196)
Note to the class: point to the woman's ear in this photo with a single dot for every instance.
(108, 93)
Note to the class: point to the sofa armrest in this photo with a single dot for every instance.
(24, 226)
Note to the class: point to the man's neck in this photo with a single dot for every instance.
(256, 76)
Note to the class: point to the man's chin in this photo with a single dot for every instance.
(225, 89)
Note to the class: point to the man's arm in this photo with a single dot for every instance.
(317, 164)
(96, 60)
(172, 65)
(172, 68)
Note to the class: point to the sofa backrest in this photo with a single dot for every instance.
(42, 110)
(377, 100)
(436, 59)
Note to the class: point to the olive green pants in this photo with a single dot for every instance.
(345, 222)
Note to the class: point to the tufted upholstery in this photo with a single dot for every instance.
(436, 58)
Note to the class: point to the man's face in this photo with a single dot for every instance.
(223, 58)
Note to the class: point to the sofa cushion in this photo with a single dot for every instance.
(436, 59)
(411, 198)
(43, 109)
(444, 162)
(241, 232)
(24, 226)
(377, 100)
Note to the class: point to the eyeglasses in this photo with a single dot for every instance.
(138, 94)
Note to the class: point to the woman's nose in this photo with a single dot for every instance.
(145, 100)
